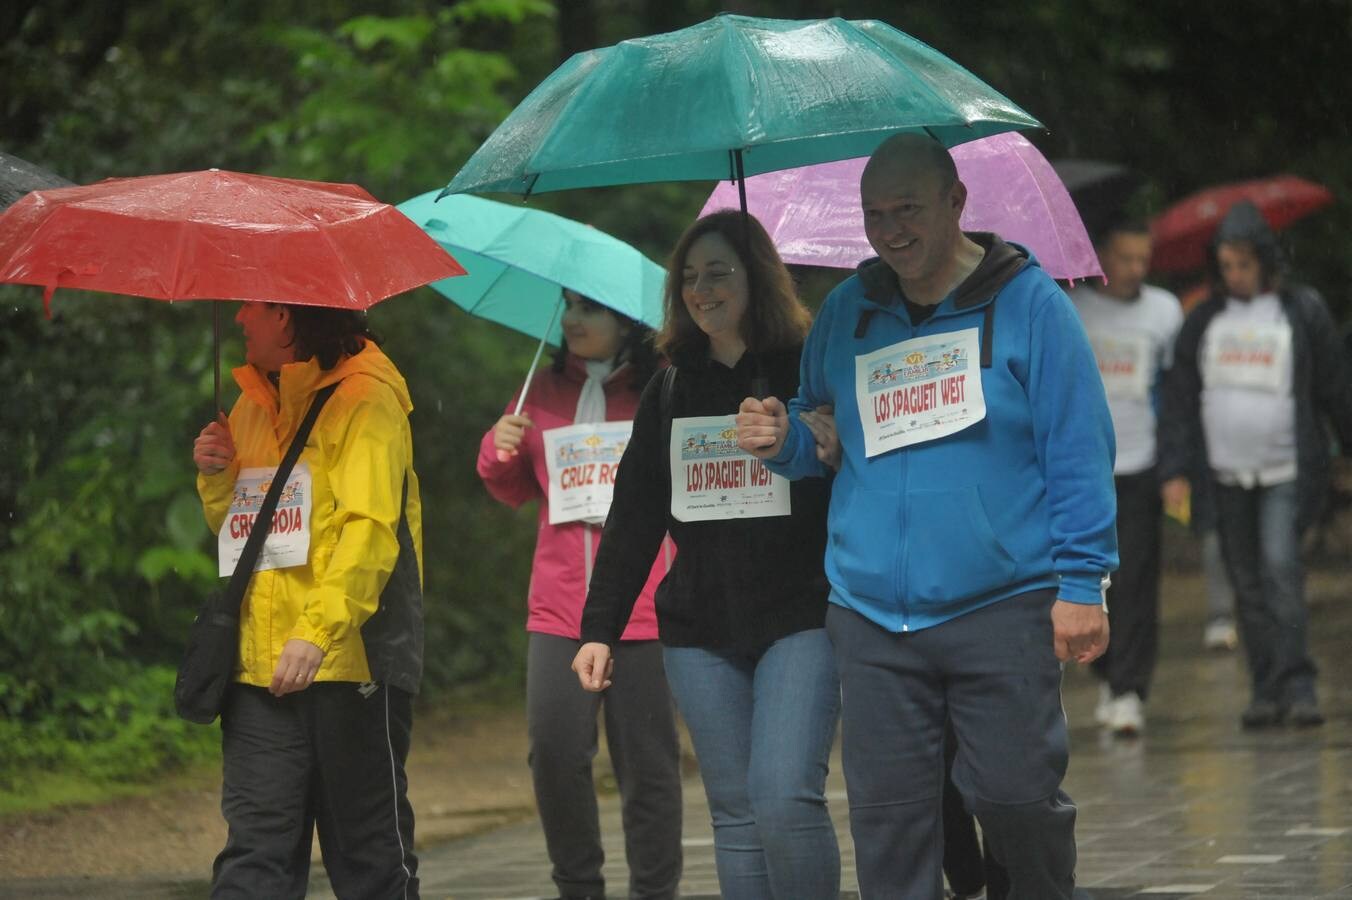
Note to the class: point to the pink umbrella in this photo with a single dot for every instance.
(812, 213)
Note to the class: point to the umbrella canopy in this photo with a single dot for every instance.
(813, 213)
(1100, 190)
(1183, 231)
(767, 94)
(222, 236)
(18, 177)
(519, 260)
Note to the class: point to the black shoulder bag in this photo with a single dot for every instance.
(213, 641)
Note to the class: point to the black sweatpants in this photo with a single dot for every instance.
(1134, 596)
(329, 757)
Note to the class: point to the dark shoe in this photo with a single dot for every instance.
(1304, 715)
(1261, 714)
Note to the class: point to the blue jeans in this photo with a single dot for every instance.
(762, 724)
(1261, 544)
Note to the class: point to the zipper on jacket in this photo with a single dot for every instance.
(586, 558)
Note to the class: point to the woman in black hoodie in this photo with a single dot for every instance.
(740, 615)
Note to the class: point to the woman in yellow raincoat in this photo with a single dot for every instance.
(315, 729)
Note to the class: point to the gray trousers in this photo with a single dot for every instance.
(644, 751)
(994, 674)
(331, 758)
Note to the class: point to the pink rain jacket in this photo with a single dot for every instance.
(564, 553)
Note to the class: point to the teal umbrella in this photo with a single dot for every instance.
(730, 97)
(519, 260)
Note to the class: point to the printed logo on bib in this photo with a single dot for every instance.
(713, 478)
(919, 390)
(582, 461)
(288, 543)
(1124, 363)
(1256, 357)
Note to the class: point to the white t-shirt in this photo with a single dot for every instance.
(1133, 342)
(1248, 410)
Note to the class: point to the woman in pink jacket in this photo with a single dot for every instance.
(596, 377)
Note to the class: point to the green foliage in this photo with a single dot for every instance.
(392, 100)
(124, 730)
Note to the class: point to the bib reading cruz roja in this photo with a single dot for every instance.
(587, 474)
(284, 521)
(288, 541)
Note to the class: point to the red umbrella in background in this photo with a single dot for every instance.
(218, 235)
(1183, 231)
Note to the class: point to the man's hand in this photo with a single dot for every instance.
(296, 667)
(822, 423)
(1079, 631)
(214, 448)
(594, 665)
(762, 426)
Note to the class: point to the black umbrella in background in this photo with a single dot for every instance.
(18, 177)
(1100, 190)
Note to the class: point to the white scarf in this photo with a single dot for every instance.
(591, 403)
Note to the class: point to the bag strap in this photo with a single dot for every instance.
(667, 403)
(234, 592)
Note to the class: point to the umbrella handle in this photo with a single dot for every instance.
(504, 455)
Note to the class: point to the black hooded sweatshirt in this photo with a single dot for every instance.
(1320, 377)
(736, 584)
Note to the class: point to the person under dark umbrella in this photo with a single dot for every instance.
(1258, 371)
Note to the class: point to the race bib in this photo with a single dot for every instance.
(288, 543)
(713, 478)
(919, 390)
(581, 461)
(1247, 356)
(1124, 363)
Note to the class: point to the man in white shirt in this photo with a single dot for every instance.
(1132, 327)
(1258, 371)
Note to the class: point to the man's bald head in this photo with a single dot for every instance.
(912, 202)
(911, 153)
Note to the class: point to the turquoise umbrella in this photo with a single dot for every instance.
(519, 260)
(730, 97)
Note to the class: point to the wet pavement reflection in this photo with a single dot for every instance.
(1195, 806)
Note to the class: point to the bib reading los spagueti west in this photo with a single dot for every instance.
(713, 478)
(919, 390)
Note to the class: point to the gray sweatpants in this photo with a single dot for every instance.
(644, 751)
(994, 674)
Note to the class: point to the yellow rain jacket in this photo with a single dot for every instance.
(359, 598)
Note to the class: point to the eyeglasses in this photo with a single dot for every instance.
(711, 278)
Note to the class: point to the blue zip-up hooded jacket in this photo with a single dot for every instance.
(1019, 501)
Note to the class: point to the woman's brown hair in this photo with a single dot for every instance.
(775, 319)
(328, 334)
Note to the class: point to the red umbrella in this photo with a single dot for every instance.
(218, 235)
(1182, 232)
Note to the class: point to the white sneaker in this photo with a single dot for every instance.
(1220, 635)
(1128, 718)
(1103, 712)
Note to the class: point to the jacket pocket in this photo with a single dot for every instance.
(953, 552)
(865, 544)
